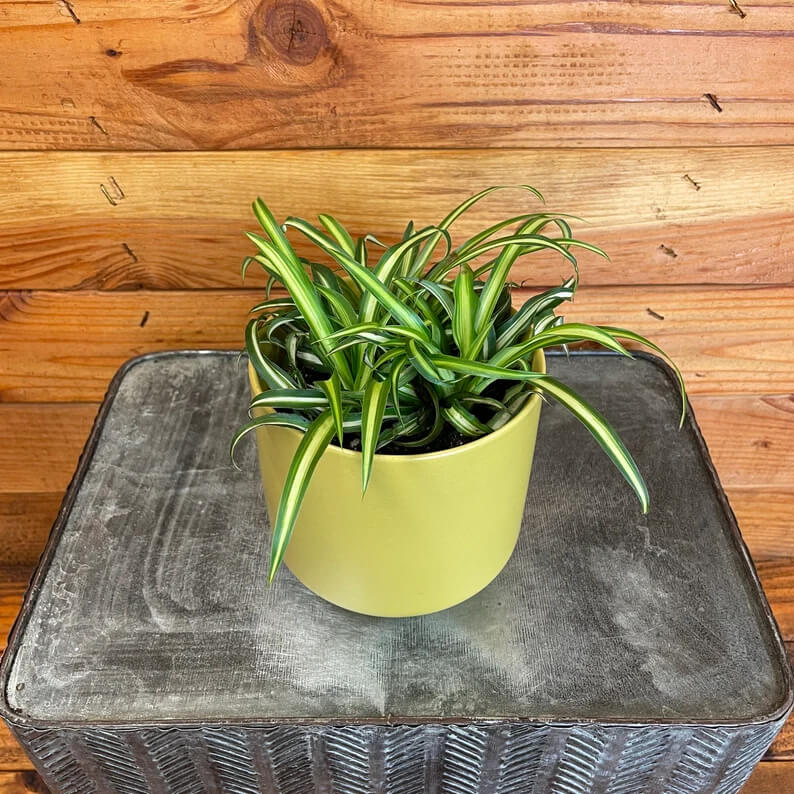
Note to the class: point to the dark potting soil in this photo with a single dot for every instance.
(448, 438)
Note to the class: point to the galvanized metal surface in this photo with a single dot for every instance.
(494, 758)
(614, 647)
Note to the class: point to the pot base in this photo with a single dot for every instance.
(364, 604)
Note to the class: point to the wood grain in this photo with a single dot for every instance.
(783, 746)
(41, 446)
(712, 15)
(22, 782)
(424, 73)
(25, 521)
(13, 583)
(771, 777)
(65, 346)
(59, 230)
(766, 519)
(777, 577)
(751, 440)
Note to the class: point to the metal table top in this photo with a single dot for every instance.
(151, 603)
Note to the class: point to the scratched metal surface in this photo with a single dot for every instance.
(154, 607)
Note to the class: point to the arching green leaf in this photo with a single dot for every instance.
(463, 330)
(373, 407)
(269, 371)
(311, 448)
(333, 392)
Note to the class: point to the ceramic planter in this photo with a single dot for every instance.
(432, 530)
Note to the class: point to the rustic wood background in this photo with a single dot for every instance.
(133, 136)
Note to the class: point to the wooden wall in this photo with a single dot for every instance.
(133, 136)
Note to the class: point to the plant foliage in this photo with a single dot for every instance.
(396, 353)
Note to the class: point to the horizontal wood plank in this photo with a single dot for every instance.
(766, 519)
(782, 748)
(65, 346)
(777, 577)
(423, 73)
(41, 446)
(751, 440)
(771, 777)
(712, 16)
(22, 782)
(152, 228)
(724, 340)
(26, 518)
(13, 583)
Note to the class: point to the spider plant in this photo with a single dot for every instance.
(390, 354)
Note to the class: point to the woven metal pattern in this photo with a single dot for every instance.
(431, 759)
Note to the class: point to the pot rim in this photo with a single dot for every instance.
(538, 364)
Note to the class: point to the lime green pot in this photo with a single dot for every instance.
(431, 531)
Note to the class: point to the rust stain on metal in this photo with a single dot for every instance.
(712, 100)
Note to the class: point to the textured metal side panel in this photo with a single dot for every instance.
(57, 761)
(232, 759)
(121, 769)
(489, 758)
(520, 766)
(747, 753)
(173, 756)
(643, 756)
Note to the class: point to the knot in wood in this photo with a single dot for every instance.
(295, 29)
